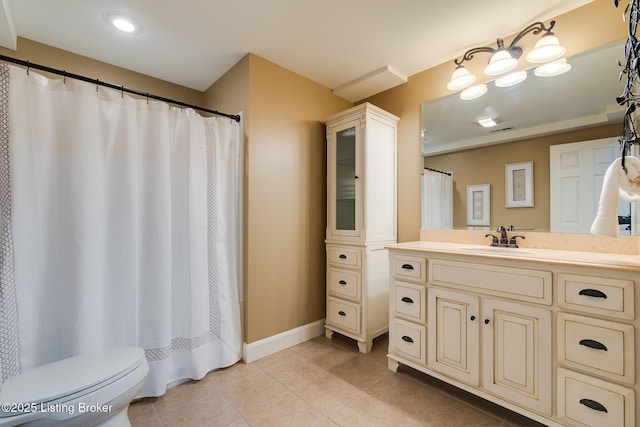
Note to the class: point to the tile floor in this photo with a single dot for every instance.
(320, 383)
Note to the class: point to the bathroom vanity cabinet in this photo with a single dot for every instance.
(361, 220)
(548, 334)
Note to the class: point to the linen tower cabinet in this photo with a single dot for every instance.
(361, 220)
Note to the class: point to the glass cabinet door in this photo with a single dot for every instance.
(346, 176)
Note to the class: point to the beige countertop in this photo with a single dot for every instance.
(553, 256)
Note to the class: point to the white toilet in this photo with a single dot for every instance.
(89, 390)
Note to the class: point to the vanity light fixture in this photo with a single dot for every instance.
(505, 58)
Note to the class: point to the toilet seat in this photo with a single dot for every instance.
(67, 379)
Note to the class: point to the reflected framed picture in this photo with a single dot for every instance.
(478, 204)
(519, 185)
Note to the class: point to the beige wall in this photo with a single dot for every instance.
(285, 192)
(597, 24)
(62, 60)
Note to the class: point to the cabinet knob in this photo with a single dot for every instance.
(472, 318)
(486, 321)
(596, 406)
(356, 177)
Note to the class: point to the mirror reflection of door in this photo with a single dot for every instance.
(576, 175)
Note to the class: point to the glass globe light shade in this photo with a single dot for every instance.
(548, 48)
(460, 79)
(511, 79)
(551, 69)
(500, 63)
(473, 92)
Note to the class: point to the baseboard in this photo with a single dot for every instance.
(265, 347)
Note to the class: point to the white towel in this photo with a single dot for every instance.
(616, 184)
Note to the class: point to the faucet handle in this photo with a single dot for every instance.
(513, 242)
(494, 239)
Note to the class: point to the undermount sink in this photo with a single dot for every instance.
(496, 250)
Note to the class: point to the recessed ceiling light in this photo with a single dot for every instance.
(489, 122)
(123, 23)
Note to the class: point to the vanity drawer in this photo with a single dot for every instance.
(344, 315)
(409, 340)
(583, 400)
(597, 346)
(597, 295)
(409, 301)
(511, 282)
(346, 256)
(345, 283)
(409, 267)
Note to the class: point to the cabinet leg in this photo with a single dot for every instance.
(365, 347)
(392, 364)
(328, 333)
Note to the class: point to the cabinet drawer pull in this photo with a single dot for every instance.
(342, 313)
(596, 406)
(342, 256)
(593, 344)
(407, 339)
(593, 293)
(407, 267)
(342, 282)
(407, 299)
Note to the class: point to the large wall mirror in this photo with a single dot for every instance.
(533, 116)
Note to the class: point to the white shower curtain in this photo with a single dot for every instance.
(120, 217)
(437, 200)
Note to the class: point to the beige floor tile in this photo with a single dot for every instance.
(221, 378)
(286, 410)
(328, 393)
(196, 407)
(366, 410)
(294, 372)
(253, 392)
(403, 392)
(327, 357)
(362, 372)
(143, 414)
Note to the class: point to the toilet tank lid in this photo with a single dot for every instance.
(68, 376)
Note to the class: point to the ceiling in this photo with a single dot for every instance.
(334, 42)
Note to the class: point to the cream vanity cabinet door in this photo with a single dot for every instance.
(453, 332)
(516, 350)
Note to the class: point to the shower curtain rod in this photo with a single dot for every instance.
(148, 95)
(436, 170)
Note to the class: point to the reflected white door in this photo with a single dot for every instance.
(576, 174)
